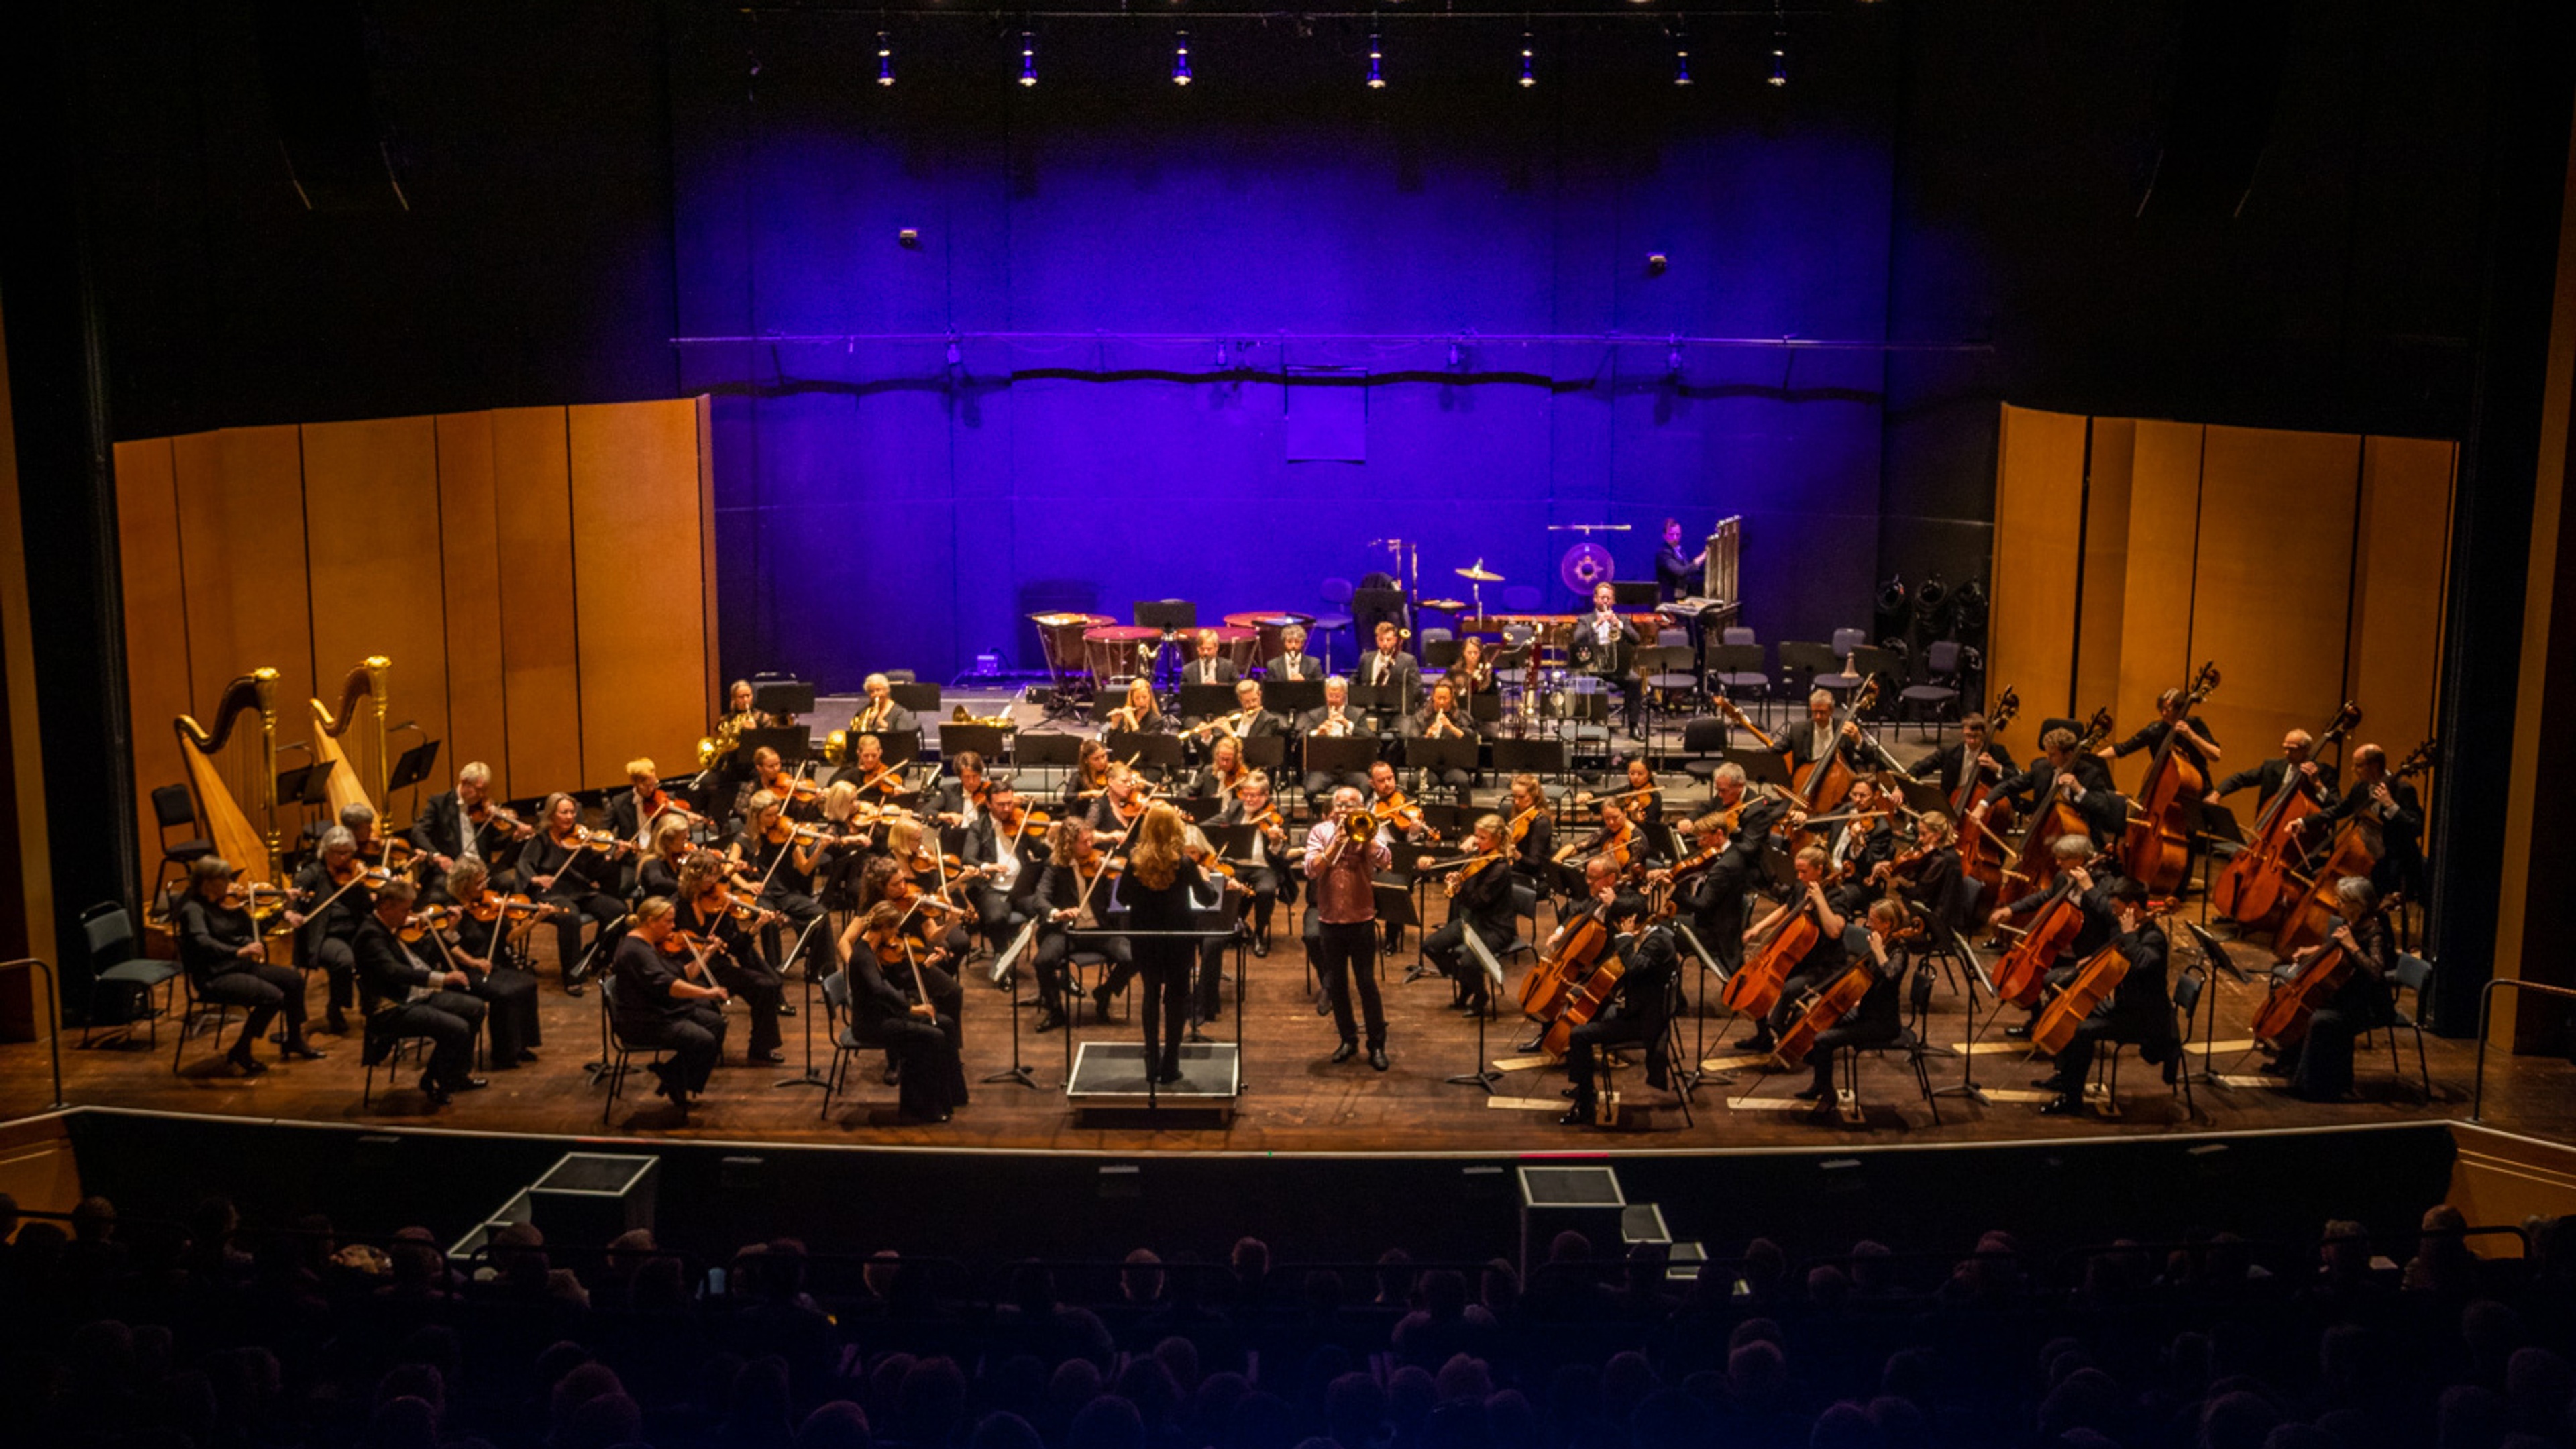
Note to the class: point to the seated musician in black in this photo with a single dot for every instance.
(417, 998)
(2090, 880)
(1293, 663)
(931, 1078)
(1533, 859)
(664, 999)
(1480, 900)
(1678, 575)
(1975, 746)
(2138, 1011)
(2298, 756)
(1335, 718)
(1009, 850)
(560, 868)
(1713, 896)
(1225, 771)
(659, 874)
(1861, 844)
(1600, 889)
(876, 781)
(1389, 667)
(1072, 896)
(1264, 872)
(1442, 717)
(1601, 645)
(881, 715)
(2383, 801)
(332, 897)
(2088, 789)
(461, 822)
(2197, 744)
(227, 962)
(2319, 1065)
(1805, 741)
(704, 910)
(1880, 1016)
(1257, 721)
(1638, 1012)
(780, 858)
(507, 990)
(1823, 961)
(1925, 873)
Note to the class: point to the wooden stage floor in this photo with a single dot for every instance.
(1295, 1101)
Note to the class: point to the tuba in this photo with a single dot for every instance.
(252, 848)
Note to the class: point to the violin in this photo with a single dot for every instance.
(598, 841)
(491, 906)
(430, 920)
(260, 899)
(1396, 810)
(354, 873)
(484, 812)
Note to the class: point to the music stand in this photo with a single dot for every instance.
(1395, 908)
(306, 785)
(914, 695)
(1197, 808)
(1232, 843)
(794, 743)
(986, 740)
(1045, 750)
(1154, 752)
(413, 766)
(1265, 752)
(1205, 701)
(1482, 1073)
(1529, 757)
(1376, 698)
(2214, 955)
(1633, 594)
(1172, 616)
(1760, 767)
(1292, 697)
(1699, 1015)
(783, 698)
(1370, 605)
(1446, 753)
(1920, 796)
(1002, 968)
(1339, 757)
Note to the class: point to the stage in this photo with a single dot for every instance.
(1293, 1100)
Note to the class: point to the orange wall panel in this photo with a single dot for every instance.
(2398, 589)
(2108, 465)
(637, 577)
(2273, 587)
(2156, 604)
(470, 568)
(371, 517)
(241, 537)
(2039, 497)
(540, 652)
(156, 623)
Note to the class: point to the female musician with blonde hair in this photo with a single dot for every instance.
(1139, 715)
(560, 867)
(1161, 891)
(1225, 774)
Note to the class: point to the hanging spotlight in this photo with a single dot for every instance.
(885, 61)
(1181, 58)
(1527, 78)
(1028, 58)
(1681, 56)
(1376, 81)
(1779, 57)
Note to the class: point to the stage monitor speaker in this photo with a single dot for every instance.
(313, 61)
(2227, 67)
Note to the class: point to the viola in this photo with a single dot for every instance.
(260, 899)
(2282, 1020)
(428, 921)
(2250, 890)
(2091, 985)
(2157, 848)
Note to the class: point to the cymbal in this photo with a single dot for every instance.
(1444, 605)
(1479, 573)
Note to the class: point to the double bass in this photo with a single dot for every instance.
(2282, 1020)
(2157, 849)
(1814, 785)
(2051, 816)
(2356, 851)
(2250, 890)
(1981, 847)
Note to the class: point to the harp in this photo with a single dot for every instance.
(251, 847)
(347, 787)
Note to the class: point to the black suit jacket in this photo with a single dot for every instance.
(1307, 666)
(1219, 670)
(1375, 669)
(1944, 763)
(384, 966)
(2266, 779)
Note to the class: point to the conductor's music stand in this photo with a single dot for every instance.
(1002, 968)
(1482, 1073)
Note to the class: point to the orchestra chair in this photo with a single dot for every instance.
(1439, 651)
(1664, 670)
(1337, 593)
(193, 1008)
(382, 1046)
(842, 1026)
(1524, 942)
(2410, 972)
(1847, 671)
(118, 966)
(1736, 671)
(1939, 690)
(1906, 1043)
(1703, 741)
(1668, 1048)
(173, 805)
(616, 1053)
(2187, 988)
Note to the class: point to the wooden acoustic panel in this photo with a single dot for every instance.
(2039, 501)
(371, 514)
(2274, 583)
(637, 579)
(2109, 459)
(2399, 582)
(540, 652)
(242, 555)
(2156, 603)
(470, 573)
(156, 623)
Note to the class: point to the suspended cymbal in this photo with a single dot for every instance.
(1479, 573)
(1444, 605)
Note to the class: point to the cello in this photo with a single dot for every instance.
(2249, 891)
(1583, 1002)
(2092, 985)
(2282, 1020)
(1821, 1010)
(1545, 990)
(2052, 817)
(2156, 851)
(1755, 987)
(2053, 927)
(1980, 844)
(2357, 849)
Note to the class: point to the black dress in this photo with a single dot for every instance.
(1164, 962)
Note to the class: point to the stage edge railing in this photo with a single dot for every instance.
(53, 1019)
(2486, 1010)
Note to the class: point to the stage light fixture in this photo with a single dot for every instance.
(1376, 79)
(1028, 58)
(1181, 58)
(885, 61)
(1779, 58)
(1528, 78)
